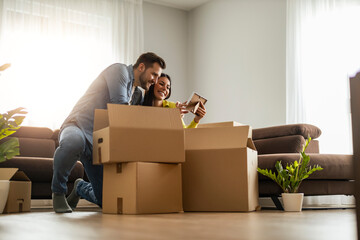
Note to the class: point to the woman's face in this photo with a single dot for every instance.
(162, 88)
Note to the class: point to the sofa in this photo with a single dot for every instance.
(37, 146)
(284, 143)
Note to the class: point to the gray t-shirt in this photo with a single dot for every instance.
(113, 85)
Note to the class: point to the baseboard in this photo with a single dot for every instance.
(47, 204)
(317, 202)
(310, 202)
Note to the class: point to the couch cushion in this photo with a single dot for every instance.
(35, 147)
(311, 187)
(304, 130)
(335, 166)
(55, 136)
(40, 169)
(285, 144)
(33, 132)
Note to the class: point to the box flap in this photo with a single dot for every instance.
(101, 119)
(143, 117)
(216, 138)
(7, 173)
(220, 124)
(250, 144)
(20, 176)
(250, 132)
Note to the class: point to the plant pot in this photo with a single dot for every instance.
(4, 191)
(292, 201)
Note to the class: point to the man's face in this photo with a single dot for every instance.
(150, 76)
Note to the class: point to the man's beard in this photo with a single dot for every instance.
(143, 82)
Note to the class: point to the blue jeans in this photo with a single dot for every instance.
(73, 147)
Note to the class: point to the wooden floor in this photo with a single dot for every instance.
(265, 224)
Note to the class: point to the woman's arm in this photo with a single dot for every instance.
(200, 113)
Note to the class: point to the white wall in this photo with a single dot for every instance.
(237, 60)
(166, 33)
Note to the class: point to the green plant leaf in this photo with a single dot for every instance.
(279, 167)
(9, 123)
(9, 149)
(5, 66)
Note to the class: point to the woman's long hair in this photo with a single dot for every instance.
(149, 95)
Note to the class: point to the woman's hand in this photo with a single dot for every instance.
(182, 107)
(200, 113)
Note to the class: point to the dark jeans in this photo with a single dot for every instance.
(73, 147)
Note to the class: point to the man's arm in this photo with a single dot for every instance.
(118, 82)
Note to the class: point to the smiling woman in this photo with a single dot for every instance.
(58, 47)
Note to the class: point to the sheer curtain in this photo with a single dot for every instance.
(322, 52)
(57, 48)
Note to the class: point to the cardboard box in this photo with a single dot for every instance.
(125, 133)
(142, 187)
(220, 171)
(220, 124)
(19, 198)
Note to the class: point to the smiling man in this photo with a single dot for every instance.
(119, 84)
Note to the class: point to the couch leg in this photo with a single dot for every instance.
(277, 202)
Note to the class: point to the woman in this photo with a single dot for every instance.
(158, 93)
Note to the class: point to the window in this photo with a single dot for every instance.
(57, 48)
(322, 52)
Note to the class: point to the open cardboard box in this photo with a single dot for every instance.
(220, 171)
(19, 198)
(222, 124)
(125, 133)
(142, 188)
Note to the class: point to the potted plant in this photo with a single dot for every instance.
(9, 123)
(290, 178)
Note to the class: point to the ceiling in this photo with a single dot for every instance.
(180, 4)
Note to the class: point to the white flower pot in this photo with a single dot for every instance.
(292, 201)
(4, 191)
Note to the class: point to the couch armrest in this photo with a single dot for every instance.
(286, 144)
(304, 130)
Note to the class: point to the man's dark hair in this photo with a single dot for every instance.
(149, 95)
(148, 59)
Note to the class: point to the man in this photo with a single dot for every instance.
(116, 84)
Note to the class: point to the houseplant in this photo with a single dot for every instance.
(290, 178)
(9, 123)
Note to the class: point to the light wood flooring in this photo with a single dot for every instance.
(265, 224)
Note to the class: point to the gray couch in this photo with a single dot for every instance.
(285, 143)
(37, 147)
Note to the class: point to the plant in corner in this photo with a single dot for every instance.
(9, 123)
(290, 177)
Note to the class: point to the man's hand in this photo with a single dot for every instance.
(182, 107)
(200, 113)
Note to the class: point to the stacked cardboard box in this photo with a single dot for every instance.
(220, 171)
(19, 195)
(141, 149)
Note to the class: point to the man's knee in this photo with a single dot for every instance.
(73, 144)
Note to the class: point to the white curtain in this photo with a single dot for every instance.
(322, 51)
(57, 48)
